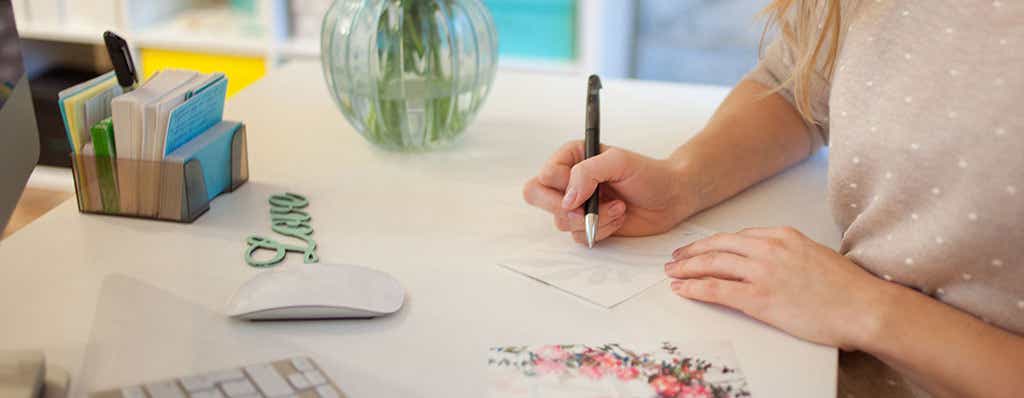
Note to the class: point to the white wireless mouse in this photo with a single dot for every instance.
(317, 291)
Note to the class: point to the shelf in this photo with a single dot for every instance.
(62, 33)
(214, 27)
(178, 39)
(208, 30)
(310, 48)
(167, 36)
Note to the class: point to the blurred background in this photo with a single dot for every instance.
(692, 41)
(689, 41)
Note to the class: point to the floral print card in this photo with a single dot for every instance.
(694, 370)
(611, 272)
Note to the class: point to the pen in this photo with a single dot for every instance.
(121, 58)
(592, 147)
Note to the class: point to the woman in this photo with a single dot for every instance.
(920, 105)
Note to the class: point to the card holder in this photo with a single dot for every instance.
(179, 188)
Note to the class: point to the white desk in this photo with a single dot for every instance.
(117, 300)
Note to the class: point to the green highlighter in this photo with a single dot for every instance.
(106, 163)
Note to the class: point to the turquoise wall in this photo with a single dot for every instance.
(535, 28)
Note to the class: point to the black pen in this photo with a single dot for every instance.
(121, 58)
(592, 144)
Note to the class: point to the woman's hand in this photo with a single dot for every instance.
(783, 278)
(640, 195)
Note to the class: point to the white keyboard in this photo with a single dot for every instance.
(296, 377)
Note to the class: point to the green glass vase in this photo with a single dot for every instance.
(409, 74)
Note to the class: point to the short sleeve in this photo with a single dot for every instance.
(774, 69)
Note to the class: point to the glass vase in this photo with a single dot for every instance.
(409, 74)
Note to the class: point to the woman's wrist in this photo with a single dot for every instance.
(690, 195)
(703, 181)
(873, 320)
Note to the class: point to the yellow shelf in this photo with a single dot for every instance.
(240, 70)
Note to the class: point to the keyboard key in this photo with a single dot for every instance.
(196, 383)
(165, 389)
(238, 388)
(133, 392)
(257, 381)
(225, 375)
(298, 381)
(315, 378)
(302, 364)
(212, 393)
(268, 380)
(326, 392)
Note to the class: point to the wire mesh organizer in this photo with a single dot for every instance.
(178, 188)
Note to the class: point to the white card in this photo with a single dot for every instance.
(611, 272)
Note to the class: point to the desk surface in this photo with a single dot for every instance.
(119, 301)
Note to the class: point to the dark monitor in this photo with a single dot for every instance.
(19, 135)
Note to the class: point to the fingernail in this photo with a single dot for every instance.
(669, 265)
(677, 285)
(677, 253)
(570, 197)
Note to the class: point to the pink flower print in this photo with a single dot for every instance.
(609, 362)
(697, 391)
(552, 353)
(666, 386)
(627, 373)
(591, 372)
(546, 367)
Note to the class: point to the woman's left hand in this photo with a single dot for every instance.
(783, 278)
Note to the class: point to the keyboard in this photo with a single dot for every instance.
(296, 377)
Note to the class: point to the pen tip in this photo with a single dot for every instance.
(591, 229)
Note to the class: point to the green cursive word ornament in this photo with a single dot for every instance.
(286, 218)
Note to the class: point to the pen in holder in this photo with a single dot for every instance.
(177, 188)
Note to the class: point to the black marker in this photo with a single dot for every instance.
(121, 58)
(592, 146)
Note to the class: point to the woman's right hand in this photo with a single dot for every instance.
(639, 195)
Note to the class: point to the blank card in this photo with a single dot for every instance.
(611, 272)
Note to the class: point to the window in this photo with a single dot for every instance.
(696, 41)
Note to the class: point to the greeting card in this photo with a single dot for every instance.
(609, 273)
(666, 370)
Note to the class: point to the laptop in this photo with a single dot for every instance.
(19, 134)
(21, 372)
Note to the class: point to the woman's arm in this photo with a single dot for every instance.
(749, 138)
(785, 279)
(945, 351)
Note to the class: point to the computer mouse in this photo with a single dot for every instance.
(317, 291)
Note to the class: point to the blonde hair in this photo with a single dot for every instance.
(806, 27)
